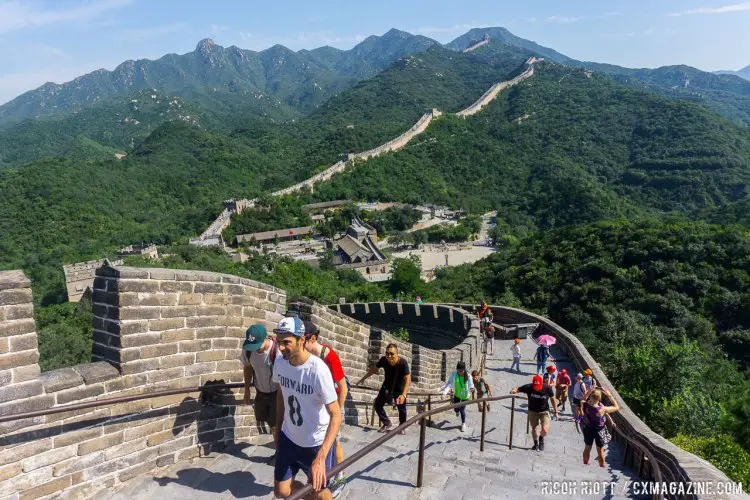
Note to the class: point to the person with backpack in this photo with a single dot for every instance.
(489, 340)
(594, 419)
(258, 356)
(541, 356)
(579, 389)
(462, 387)
(340, 382)
(482, 387)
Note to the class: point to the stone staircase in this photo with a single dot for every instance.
(454, 466)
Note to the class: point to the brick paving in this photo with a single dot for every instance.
(454, 466)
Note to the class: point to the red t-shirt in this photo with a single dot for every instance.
(334, 364)
(563, 379)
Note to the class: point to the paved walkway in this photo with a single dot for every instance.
(454, 466)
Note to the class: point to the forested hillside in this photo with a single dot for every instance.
(565, 147)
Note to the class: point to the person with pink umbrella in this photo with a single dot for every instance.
(542, 352)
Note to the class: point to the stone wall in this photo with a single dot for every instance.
(676, 463)
(452, 333)
(156, 329)
(488, 96)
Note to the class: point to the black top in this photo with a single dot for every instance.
(538, 400)
(394, 375)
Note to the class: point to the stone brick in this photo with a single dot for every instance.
(140, 312)
(210, 332)
(130, 354)
(229, 365)
(25, 450)
(167, 374)
(141, 339)
(176, 360)
(124, 449)
(200, 369)
(166, 324)
(48, 458)
(17, 296)
(100, 443)
(93, 373)
(77, 464)
(46, 488)
(21, 391)
(198, 288)
(62, 378)
(19, 311)
(201, 322)
(195, 345)
(16, 327)
(211, 311)
(160, 437)
(10, 471)
(188, 454)
(190, 299)
(165, 460)
(25, 373)
(226, 343)
(133, 286)
(143, 431)
(177, 312)
(74, 437)
(140, 366)
(4, 345)
(216, 300)
(202, 357)
(130, 407)
(138, 470)
(15, 359)
(125, 382)
(79, 393)
(23, 342)
(177, 335)
(176, 286)
(174, 399)
(158, 350)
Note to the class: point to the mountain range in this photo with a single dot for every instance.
(221, 88)
(743, 73)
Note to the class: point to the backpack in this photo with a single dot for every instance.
(322, 357)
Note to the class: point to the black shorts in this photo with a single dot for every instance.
(265, 407)
(592, 435)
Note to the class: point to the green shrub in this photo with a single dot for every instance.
(722, 451)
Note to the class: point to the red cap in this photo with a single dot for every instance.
(563, 372)
(551, 369)
(536, 382)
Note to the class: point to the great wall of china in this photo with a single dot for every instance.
(212, 235)
(159, 329)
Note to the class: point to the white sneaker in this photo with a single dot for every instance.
(463, 427)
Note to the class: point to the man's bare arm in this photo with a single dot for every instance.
(248, 376)
(318, 468)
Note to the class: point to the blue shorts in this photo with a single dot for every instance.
(290, 458)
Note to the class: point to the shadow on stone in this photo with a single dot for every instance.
(239, 484)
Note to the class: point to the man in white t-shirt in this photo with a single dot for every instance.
(307, 412)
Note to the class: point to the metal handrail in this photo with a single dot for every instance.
(411, 393)
(117, 400)
(422, 419)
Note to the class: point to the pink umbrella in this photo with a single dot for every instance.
(546, 340)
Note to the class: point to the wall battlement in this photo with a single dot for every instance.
(154, 329)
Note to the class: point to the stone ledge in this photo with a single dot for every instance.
(60, 379)
(13, 279)
(98, 371)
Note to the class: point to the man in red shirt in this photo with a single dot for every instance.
(332, 360)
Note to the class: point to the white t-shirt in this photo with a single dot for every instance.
(307, 389)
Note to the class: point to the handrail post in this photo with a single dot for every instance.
(512, 417)
(420, 466)
(372, 414)
(429, 407)
(527, 421)
(484, 419)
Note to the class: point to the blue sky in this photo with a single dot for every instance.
(57, 40)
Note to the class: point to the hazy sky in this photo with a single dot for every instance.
(57, 40)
